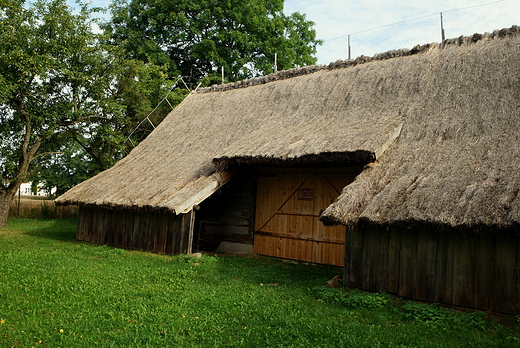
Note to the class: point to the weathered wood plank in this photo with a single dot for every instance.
(408, 264)
(517, 269)
(427, 265)
(394, 254)
(483, 265)
(186, 229)
(365, 257)
(478, 271)
(147, 237)
(105, 227)
(347, 269)
(356, 260)
(97, 224)
(381, 281)
(304, 237)
(112, 233)
(326, 253)
(155, 232)
(504, 288)
(129, 218)
(170, 234)
(462, 285)
(157, 226)
(82, 232)
(445, 268)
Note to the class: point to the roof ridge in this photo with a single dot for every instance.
(362, 59)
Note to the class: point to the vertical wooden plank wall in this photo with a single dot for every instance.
(478, 271)
(232, 208)
(155, 232)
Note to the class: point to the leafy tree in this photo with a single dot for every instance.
(132, 92)
(58, 83)
(66, 169)
(126, 119)
(42, 62)
(196, 38)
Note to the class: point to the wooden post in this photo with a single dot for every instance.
(275, 63)
(442, 29)
(19, 189)
(349, 47)
(189, 249)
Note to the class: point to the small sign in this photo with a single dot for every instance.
(305, 194)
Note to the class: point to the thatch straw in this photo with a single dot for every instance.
(457, 160)
(453, 98)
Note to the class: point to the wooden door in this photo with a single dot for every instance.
(289, 203)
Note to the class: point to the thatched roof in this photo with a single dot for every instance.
(456, 162)
(456, 102)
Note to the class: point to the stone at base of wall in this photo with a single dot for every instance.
(235, 248)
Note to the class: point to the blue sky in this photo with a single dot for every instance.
(372, 28)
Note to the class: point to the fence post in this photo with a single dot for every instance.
(18, 213)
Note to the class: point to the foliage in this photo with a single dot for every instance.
(194, 259)
(353, 298)
(431, 314)
(358, 299)
(45, 60)
(195, 39)
(60, 83)
(424, 312)
(65, 170)
(436, 315)
(332, 295)
(135, 90)
(57, 292)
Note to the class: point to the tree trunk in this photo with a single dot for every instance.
(6, 196)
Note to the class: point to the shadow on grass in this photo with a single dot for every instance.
(55, 229)
(274, 272)
(253, 269)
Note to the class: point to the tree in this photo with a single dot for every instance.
(66, 169)
(41, 54)
(60, 82)
(126, 118)
(133, 91)
(197, 38)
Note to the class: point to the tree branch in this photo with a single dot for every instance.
(78, 120)
(47, 153)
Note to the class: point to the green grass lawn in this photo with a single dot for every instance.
(57, 292)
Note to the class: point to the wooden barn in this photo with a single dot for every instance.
(403, 167)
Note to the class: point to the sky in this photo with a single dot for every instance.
(377, 26)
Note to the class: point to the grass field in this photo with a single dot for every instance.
(57, 292)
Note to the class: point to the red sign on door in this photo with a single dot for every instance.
(305, 194)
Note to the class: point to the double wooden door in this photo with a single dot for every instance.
(289, 203)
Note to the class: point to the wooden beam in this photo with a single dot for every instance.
(300, 237)
(297, 213)
(190, 232)
(214, 182)
(389, 140)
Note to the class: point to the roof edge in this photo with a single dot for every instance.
(511, 229)
(348, 157)
(341, 64)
